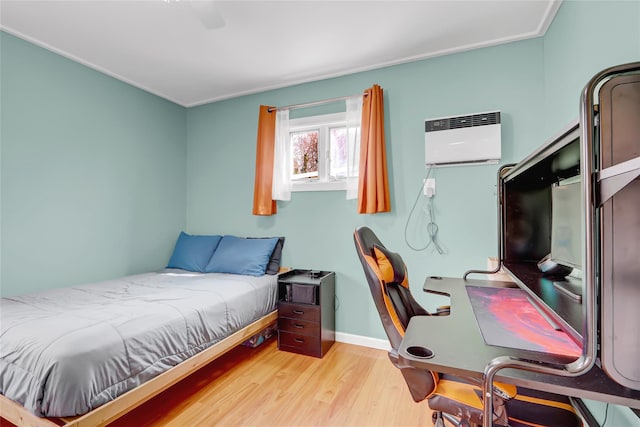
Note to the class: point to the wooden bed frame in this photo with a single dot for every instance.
(110, 411)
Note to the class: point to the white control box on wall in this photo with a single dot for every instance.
(461, 140)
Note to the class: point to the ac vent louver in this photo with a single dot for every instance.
(482, 119)
(463, 140)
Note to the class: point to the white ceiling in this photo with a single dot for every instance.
(177, 50)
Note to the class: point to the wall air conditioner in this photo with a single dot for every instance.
(463, 140)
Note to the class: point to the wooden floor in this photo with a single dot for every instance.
(350, 386)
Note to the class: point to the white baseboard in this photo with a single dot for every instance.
(378, 343)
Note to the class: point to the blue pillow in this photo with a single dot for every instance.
(242, 256)
(273, 267)
(192, 253)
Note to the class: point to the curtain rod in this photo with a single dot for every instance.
(311, 104)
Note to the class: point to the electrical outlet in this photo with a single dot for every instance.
(430, 187)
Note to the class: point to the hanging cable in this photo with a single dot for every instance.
(432, 226)
(415, 203)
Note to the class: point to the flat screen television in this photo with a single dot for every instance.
(566, 234)
(542, 219)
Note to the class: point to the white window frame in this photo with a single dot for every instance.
(322, 123)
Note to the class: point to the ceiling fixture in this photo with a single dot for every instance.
(206, 10)
(208, 13)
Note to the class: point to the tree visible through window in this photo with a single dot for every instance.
(338, 148)
(305, 154)
(321, 152)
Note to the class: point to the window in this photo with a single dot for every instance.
(317, 153)
(320, 152)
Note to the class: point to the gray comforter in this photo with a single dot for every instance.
(67, 351)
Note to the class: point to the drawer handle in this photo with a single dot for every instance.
(298, 340)
(299, 326)
(298, 311)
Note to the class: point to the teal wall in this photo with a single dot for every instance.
(92, 173)
(319, 226)
(534, 83)
(96, 174)
(585, 38)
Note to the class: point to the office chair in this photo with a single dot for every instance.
(458, 400)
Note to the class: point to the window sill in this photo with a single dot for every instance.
(319, 186)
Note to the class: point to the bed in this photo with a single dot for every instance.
(85, 355)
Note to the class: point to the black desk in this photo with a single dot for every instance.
(459, 349)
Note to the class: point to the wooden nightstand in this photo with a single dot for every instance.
(306, 311)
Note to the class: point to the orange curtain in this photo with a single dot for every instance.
(373, 183)
(263, 204)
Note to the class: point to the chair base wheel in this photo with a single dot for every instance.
(436, 418)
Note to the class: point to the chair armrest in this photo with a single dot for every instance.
(443, 310)
(501, 390)
(395, 359)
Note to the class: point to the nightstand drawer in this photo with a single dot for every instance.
(298, 326)
(299, 343)
(306, 311)
(309, 313)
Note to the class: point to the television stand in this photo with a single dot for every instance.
(570, 287)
